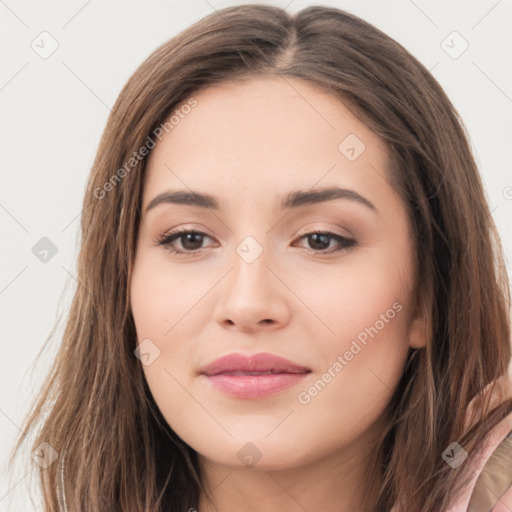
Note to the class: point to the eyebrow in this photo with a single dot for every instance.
(294, 199)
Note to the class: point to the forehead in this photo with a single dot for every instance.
(266, 137)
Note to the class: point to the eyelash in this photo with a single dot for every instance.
(167, 238)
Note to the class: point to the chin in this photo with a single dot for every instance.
(258, 453)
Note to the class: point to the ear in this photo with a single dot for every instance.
(418, 332)
(418, 328)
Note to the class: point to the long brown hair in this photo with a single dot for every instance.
(116, 452)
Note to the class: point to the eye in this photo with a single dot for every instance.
(319, 241)
(191, 241)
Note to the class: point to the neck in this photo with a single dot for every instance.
(337, 482)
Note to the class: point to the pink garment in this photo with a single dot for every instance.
(495, 437)
(505, 503)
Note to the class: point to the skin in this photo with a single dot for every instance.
(250, 144)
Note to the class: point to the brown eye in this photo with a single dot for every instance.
(191, 241)
(320, 241)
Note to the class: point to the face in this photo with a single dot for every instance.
(323, 281)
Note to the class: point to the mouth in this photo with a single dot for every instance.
(254, 376)
(251, 373)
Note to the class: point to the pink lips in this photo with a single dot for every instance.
(255, 376)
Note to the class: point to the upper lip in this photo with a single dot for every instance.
(262, 362)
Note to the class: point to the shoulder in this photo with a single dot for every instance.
(491, 484)
(493, 488)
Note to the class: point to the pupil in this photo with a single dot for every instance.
(318, 236)
(191, 237)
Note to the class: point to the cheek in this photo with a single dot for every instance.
(166, 305)
(346, 300)
(163, 298)
(362, 340)
(158, 303)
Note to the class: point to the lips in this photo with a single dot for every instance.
(253, 376)
(258, 364)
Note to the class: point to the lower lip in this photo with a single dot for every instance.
(254, 386)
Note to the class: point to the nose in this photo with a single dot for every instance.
(252, 298)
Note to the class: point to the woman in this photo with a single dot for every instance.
(292, 294)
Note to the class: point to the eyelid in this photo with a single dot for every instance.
(343, 228)
(176, 232)
(306, 230)
(344, 243)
